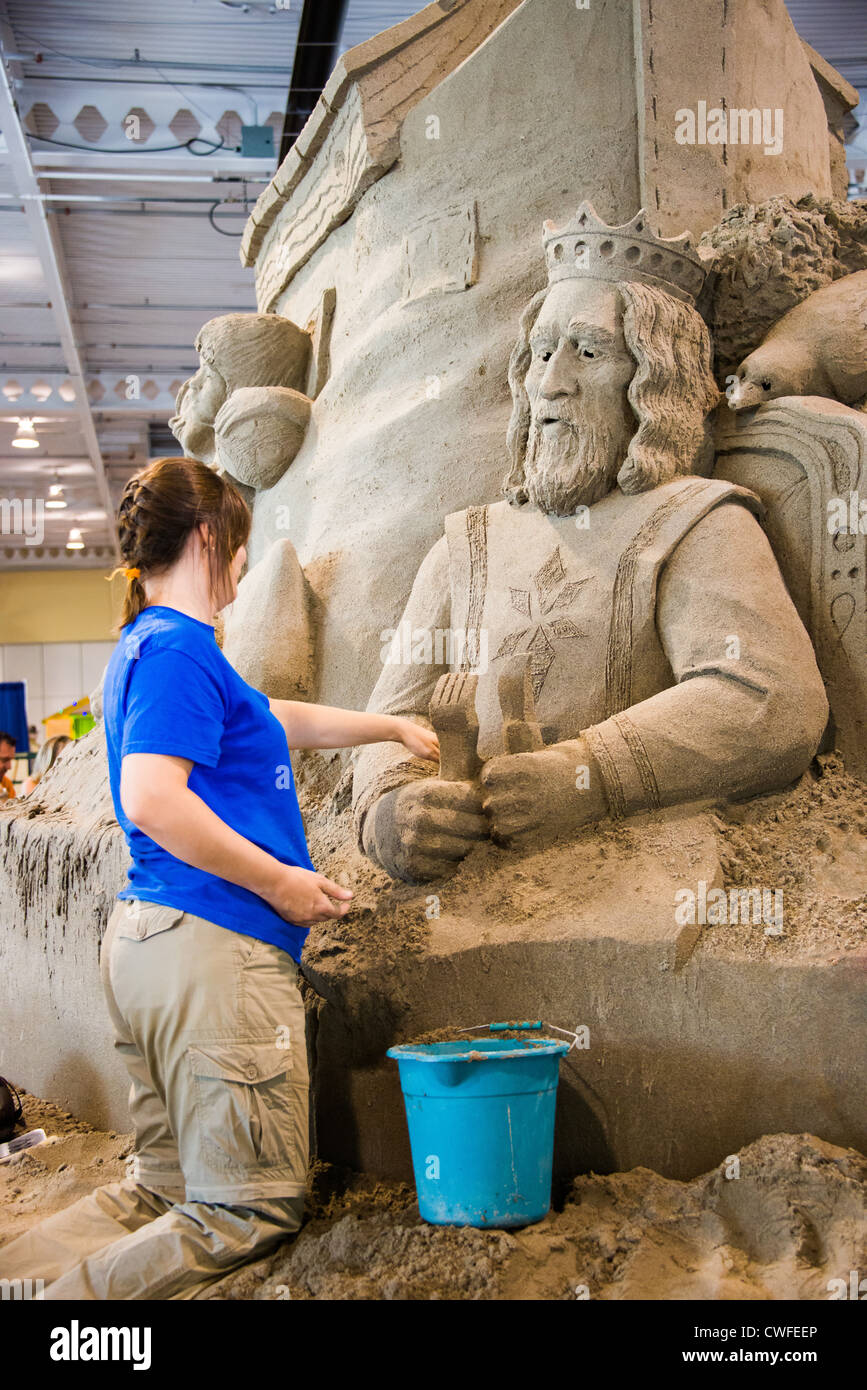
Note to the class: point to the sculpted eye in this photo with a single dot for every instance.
(588, 353)
(766, 385)
(544, 354)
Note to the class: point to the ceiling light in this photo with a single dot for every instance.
(56, 501)
(25, 436)
(75, 542)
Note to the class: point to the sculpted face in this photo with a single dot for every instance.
(199, 400)
(580, 419)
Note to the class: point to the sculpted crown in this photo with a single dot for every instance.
(588, 248)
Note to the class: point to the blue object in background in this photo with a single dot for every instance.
(481, 1127)
(257, 142)
(13, 714)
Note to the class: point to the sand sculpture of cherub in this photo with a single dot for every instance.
(245, 411)
(245, 414)
(643, 650)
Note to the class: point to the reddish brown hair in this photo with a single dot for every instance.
(158, 510)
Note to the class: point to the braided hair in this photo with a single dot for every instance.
(159, 509)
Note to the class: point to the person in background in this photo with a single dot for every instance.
(45, 758)
(200, 957)
(7, 758)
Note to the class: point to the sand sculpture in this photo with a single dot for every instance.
(243, 414)
(608, 571)
(627, 749)
(243, 411)
(819, 348)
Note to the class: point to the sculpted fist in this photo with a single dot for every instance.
(421, 830)
(525, 795)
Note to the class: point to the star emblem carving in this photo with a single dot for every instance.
(542, 605)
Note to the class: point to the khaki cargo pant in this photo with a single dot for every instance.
(210, 1025)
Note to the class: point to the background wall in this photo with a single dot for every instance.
(56, 673)
(58, 606)
(56, 635)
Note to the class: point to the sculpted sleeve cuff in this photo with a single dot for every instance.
(624, 766)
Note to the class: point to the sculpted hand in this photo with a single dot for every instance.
(421, 830)
(527, 795)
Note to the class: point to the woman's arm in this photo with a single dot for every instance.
(322, 726)
(155, 796)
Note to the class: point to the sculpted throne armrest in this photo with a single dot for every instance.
(806, 458)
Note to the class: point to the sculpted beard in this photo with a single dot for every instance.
(577, 466)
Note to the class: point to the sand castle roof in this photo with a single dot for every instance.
(360, 111)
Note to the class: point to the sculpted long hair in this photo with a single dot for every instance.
(255, 350)
(672, 391)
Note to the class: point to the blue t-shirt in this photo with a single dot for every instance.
(169, 689)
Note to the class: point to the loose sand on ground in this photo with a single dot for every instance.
(791, 1221)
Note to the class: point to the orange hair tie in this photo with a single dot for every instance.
(132, 573)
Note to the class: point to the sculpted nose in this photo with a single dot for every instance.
(559, 378)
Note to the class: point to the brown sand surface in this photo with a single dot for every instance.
(809, 841)
(791, 1221)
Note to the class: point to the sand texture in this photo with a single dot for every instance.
(790, 1222)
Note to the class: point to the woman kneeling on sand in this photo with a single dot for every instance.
(200, 958)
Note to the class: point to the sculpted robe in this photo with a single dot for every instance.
(661, 632)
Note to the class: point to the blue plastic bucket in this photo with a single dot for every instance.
(481, 1128)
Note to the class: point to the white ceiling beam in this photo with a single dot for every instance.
(50, 253)
(91, 176)
(219, 166)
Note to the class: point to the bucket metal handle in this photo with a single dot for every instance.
(525, 1026)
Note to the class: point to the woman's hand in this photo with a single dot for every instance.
(303, 896)
(322, 726)
(419, 740)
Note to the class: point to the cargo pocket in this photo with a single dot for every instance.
(143, 919)
(244, 1102)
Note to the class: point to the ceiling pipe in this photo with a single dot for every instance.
(92, 176)
(114, 198)
(98, 59)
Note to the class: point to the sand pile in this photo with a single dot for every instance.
(809, 841)
(791, 1221)
(74, 1159)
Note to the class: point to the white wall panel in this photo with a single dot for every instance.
(94, 659)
